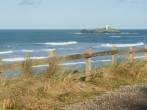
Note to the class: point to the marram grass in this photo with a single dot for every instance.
(55, 87)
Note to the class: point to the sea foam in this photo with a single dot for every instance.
(6, 52)
(20, 59)
(127, 33)
(122, 45)
(13, 59)
(28, 50)
(59, 43)
(139, 57)
(76, 48)
(78, 33)
(48, 49)
(77, 63)
(39, 66)
(72, 63)
(115, 36)
(4, 46)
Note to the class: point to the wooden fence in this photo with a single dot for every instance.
(88, 55)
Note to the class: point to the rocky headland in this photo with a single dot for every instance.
(100, 30)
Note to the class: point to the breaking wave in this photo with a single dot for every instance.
(139, 57)
(122, 45)
(115, 36)
(76, 48)
(127, 33)
(78, 33)
(28, 50)
(59, 43)
(4, 46)
(48, 49)
(76, 63)
(6, 52)
(20, 59)
(39, 66)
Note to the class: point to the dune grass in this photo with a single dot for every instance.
(55, 87)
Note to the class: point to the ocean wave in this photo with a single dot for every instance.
(76, 63)
(48, 49)
(20, 59)
(115, 36)
(72, 63)
(62, 64)
(39, 66)
(13, 59)
(59, 43)
(4, 46)
(78, 33)
(106, 60)
(139, 57)
(122, 45)
(79, 48)
(28, 50)
(6, 52)
(127, 33)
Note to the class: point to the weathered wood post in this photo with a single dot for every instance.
(113, 56)
(52, 53)
(88, 60)
(0, 65)
(146, 53)
(131, 54)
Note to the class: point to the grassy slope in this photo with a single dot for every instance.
(55, 88)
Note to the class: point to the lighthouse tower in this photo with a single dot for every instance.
(106, 26)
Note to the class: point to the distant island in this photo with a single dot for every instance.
(106, 29)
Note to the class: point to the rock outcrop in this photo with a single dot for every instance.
(100, 30)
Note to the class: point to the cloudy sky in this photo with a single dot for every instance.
(72, 14)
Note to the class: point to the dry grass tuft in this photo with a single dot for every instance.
(52, 69)
(55, 87)
(121, 74)
(26, 68)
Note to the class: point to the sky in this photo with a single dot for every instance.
(73, 14)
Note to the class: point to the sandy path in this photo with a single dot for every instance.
(132, 97)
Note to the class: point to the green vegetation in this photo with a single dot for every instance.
(100, 30)
(55, 88)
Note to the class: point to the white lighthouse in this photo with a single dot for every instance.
(106, 26)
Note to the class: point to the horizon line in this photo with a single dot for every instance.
(67, 28)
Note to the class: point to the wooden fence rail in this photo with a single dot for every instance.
(88, 55)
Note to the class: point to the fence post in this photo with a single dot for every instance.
(0, 65)
(131, 54)
(88, 60)
(113, 56)
(146, 53)
(52, 53)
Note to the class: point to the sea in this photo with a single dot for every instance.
(16, 45)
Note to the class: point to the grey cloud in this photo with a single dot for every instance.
(30, 2)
